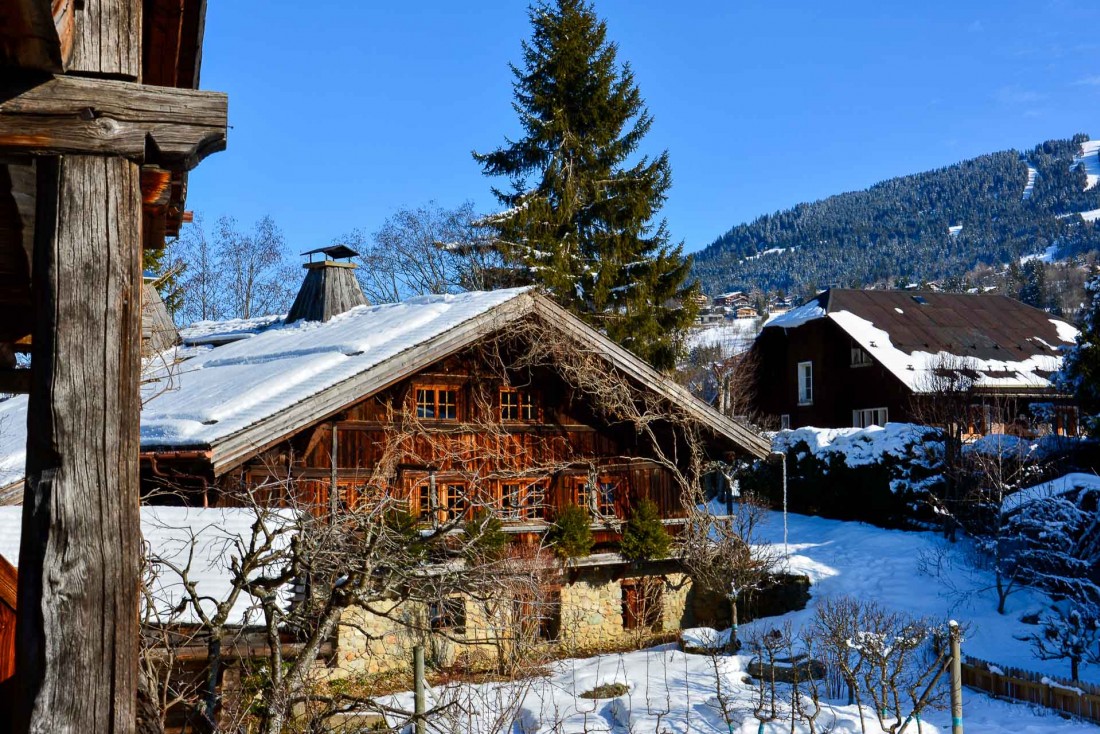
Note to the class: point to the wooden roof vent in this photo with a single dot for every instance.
(330, 286)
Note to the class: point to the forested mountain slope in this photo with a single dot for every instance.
(928, 226)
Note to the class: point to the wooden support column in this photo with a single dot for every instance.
(78, 564)
(77, 634)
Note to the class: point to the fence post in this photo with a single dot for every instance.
(956, 680)
(418, 687)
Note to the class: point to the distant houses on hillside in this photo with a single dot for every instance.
(982, 363)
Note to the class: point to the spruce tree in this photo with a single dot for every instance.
(580, 214)
(1080, 373)
(644, 535)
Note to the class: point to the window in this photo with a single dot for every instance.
(785, 422)
(517, 405)
(869, 417)
(605, 497)
(805, 383)
(448, 614)
(456, 501)
(539, 614)
(860, 357)
(448, 502)
(522, 500)
(578, 492)
(437, 403)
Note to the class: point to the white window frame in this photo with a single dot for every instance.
(805, 375)
(785, 422)
(869, 417)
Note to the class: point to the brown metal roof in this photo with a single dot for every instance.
(963, 324)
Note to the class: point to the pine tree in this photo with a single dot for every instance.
(580, 214)
(571, 533)
(1080, 373)
(644, 535)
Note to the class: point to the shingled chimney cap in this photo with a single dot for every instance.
(332, 252)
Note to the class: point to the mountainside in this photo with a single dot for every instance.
(937, 225)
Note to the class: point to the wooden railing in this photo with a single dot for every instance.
(1075, 698)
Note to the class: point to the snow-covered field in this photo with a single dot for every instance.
(670, 691)
(1032, 176)
(734, 336)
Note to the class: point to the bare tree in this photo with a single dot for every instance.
(232, 273)
(421, 251)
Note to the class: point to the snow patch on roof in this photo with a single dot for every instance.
(221, 332)
(915, 369)
(797, 316)
(216, 392)
(1067, 332)
(213, 535)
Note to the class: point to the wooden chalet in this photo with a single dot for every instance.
(865, 357)
(100, 121)
(319, 398)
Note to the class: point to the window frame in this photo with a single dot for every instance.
(448, 614)
(785, 422)
(805, 380)
(860, 357)
(529, 499)
(528, 408)
(436, 389)
(867, 417)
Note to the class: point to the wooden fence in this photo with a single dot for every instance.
(1075, 698)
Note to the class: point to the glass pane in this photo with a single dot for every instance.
(425, 403)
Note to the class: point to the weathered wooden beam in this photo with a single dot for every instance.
(15, 380)
(79, 559)
(172, 128)
(36, 34)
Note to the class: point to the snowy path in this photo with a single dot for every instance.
(672, 692)
(1088, 158)
(1032, 175)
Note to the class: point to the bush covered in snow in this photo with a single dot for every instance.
(877, 474)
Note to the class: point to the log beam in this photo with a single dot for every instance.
(36, 34)
(171, 128)
(79, 559)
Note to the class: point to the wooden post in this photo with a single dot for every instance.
(418, 687)
(333, 487)
(78, 563)
(956, 679)
(77, 635)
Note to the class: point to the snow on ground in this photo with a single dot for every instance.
(734, 337)
(1091, 215)
(769, 251)
(1032, 176)
(670, 691)
(1088, 158)
(13, 439)
(1048, 255)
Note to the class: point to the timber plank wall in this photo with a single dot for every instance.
(8, 583)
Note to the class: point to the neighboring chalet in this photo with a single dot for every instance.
(865, 357)
(436, 402)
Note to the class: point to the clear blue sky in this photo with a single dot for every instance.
(343, 112)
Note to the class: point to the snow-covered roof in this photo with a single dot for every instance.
(217, 392)
(1002, 343)
(212, 537)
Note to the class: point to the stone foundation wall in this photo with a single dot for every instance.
(591, 618)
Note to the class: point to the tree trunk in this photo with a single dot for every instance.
(78, 563)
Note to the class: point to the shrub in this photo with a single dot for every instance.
(571, 533)
(644, 536)
(484, 537)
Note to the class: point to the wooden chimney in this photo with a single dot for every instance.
(329, 288)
